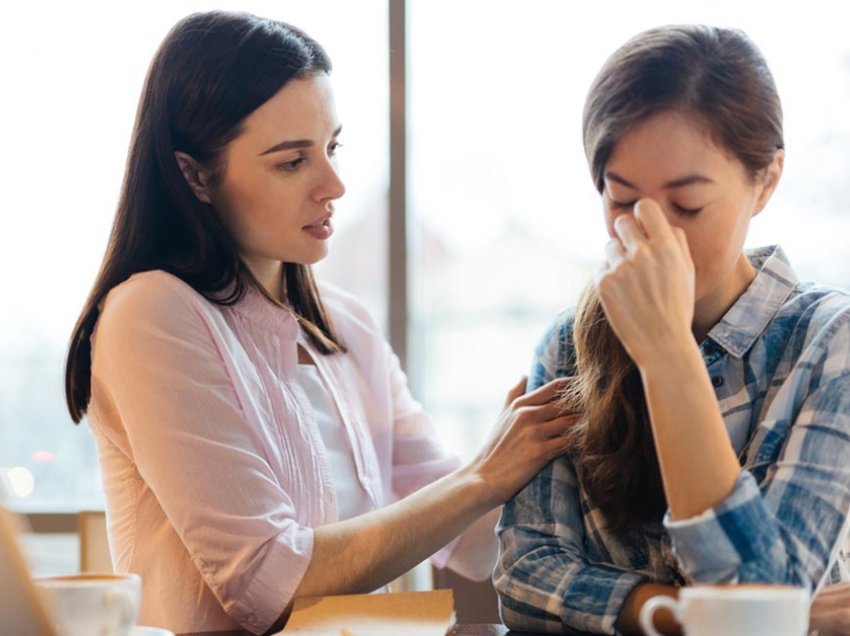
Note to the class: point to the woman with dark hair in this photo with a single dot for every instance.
(257, 438)
(713, 388)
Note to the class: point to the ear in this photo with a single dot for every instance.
(195, 176)
(769, 180)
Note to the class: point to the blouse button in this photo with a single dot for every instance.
(717, 381)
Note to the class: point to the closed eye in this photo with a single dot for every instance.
(620, 205)
(678, 209)
(686, 211)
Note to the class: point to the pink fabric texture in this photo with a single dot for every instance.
(213, 466)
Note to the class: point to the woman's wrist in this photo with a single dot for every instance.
(474, 480)
(628, 621)
(672, 355)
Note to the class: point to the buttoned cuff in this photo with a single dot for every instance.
(273, 585)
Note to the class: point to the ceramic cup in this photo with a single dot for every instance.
(734, 610)
(89, 604)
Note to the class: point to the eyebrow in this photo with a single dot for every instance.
(691, 179)
(296, 143)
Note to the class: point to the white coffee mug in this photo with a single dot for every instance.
(92, 603)
(734, 610)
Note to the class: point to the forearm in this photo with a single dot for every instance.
(698, 464)
(366, 552)
(363, 553)
(628, 622)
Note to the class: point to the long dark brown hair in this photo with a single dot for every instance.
(720, 78)
(212, 70)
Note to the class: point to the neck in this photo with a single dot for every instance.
(710, 309)
(269, 273)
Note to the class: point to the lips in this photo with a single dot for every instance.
(322, 229)
(321, 220)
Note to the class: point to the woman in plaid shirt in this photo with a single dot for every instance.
(713, 387)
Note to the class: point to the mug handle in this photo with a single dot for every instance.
(649, 608)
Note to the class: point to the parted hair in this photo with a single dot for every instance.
(211, 71)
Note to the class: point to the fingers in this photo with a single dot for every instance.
(629, 231)
(830, 603)
(516, 391)
(652, 218)
(682, 240)
(834, 596)
(556, 446)
(614, 252)
(547, 412)
(831, 622)
(557, 427)
(545, 393)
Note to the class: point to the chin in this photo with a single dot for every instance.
(309, 259)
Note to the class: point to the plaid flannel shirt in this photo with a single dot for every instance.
(780, 364)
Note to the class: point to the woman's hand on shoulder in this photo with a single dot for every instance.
(528, 434)
(647, 283)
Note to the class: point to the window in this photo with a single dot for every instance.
(506, 225)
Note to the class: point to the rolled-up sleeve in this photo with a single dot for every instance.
(158, 369)
(786, 526)
(713, 546)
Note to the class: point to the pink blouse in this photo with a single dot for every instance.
(213, 465)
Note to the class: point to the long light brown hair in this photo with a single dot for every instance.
(720, 78)
(212, 70)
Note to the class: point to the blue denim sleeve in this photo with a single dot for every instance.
(543, 578)
(550, 354)
(787, 525)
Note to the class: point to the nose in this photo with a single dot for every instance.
(331, 186)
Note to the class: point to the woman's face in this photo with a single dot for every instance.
(280, 177)
(702, 189)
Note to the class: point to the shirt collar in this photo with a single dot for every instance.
(748, 318)
(259, 310)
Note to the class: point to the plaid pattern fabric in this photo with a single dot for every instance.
(780, 364)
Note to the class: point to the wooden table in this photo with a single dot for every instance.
(458, 630)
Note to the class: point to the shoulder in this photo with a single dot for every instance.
(554, 355)
(824, 304)
(559, 330)
(818, 316)
(152, 298)
(364, 340)
(346, 310)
